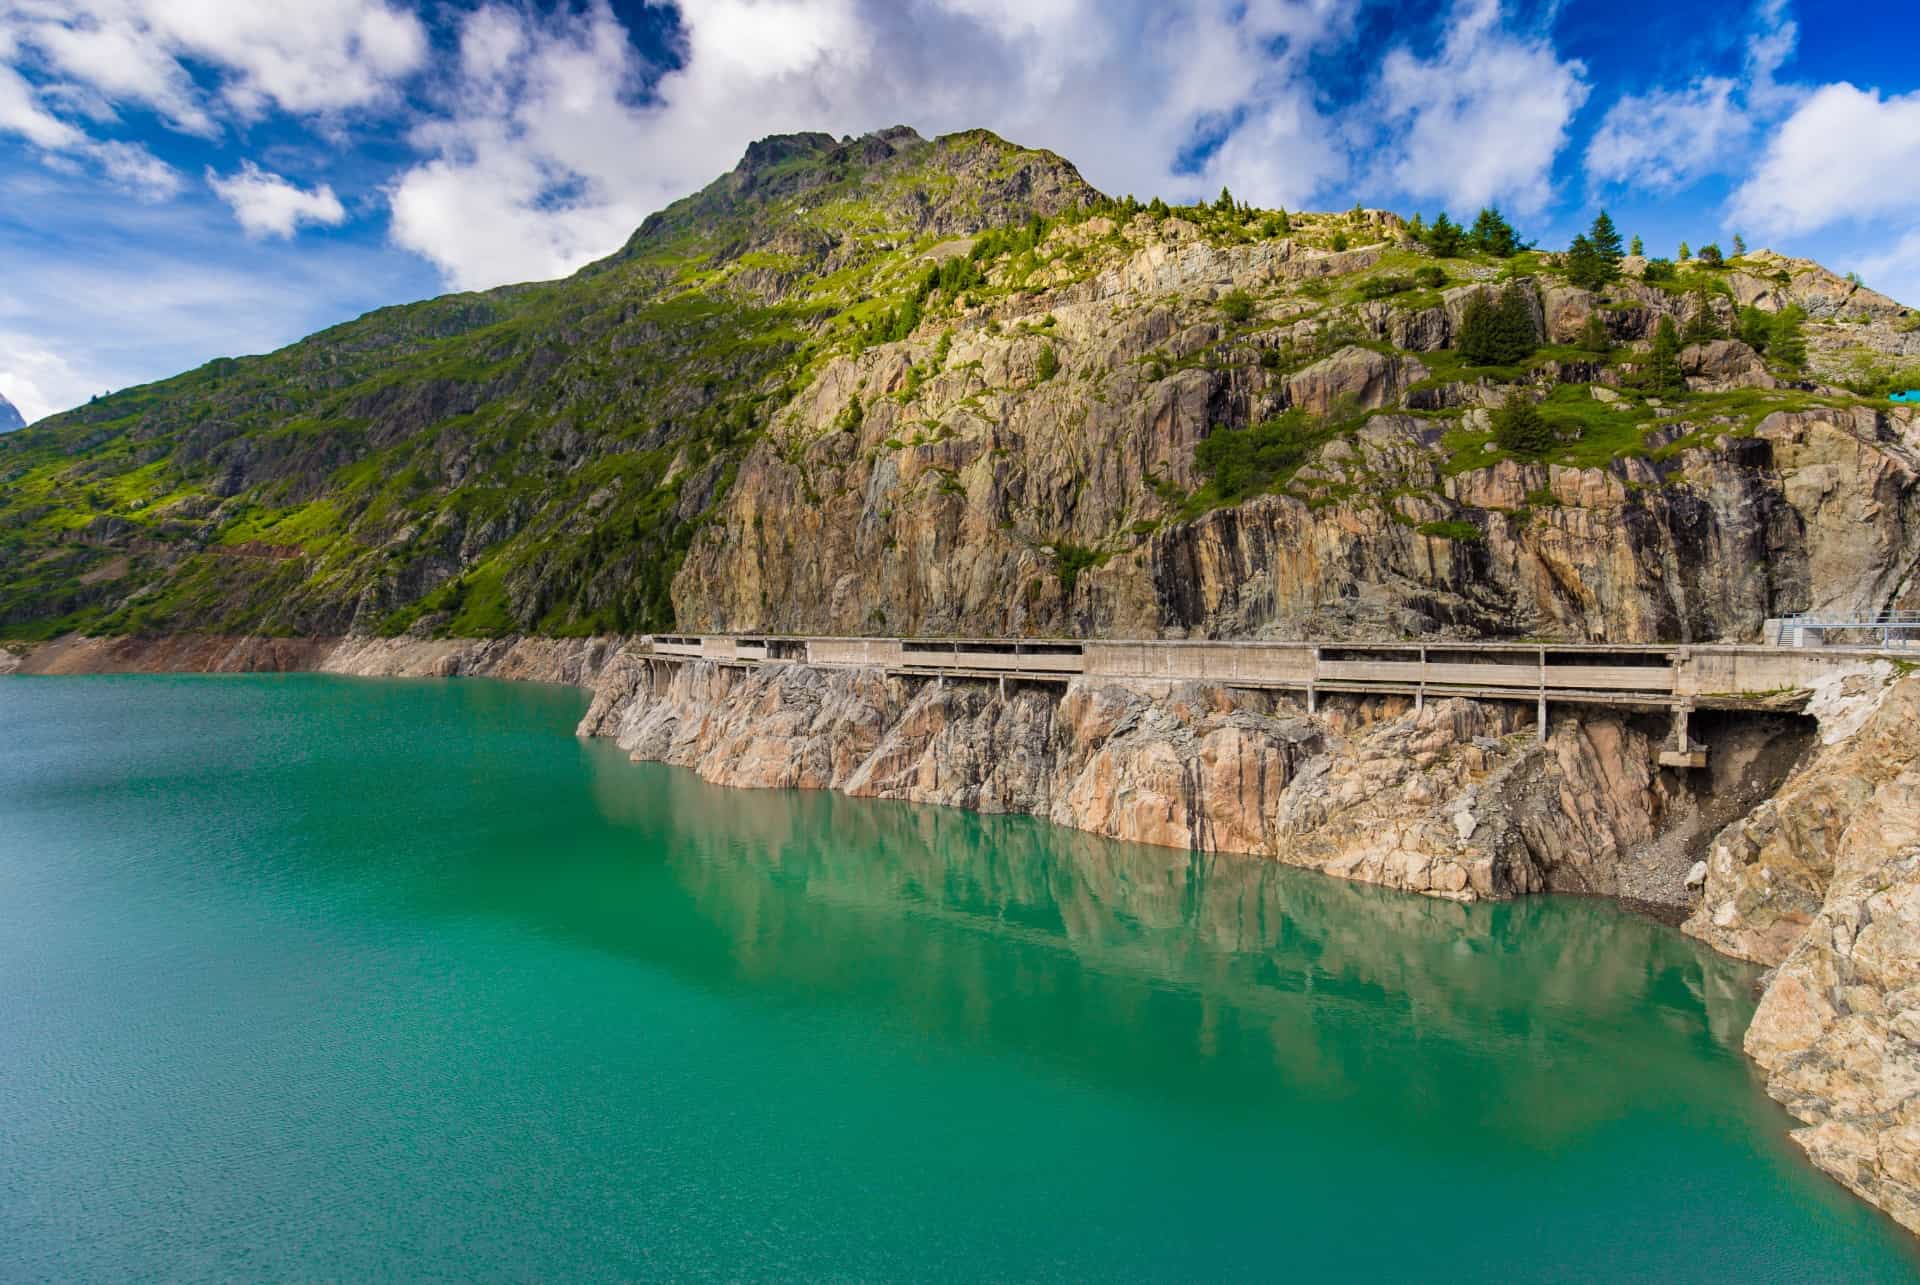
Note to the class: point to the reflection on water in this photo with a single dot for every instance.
(1233, 957)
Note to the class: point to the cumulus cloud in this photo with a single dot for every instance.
(267, 205)
(1483, 119)
(1667, 139)
(36, 379)
(1844, 153)
(301, 56)
(89, 58)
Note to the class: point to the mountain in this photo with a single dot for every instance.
(890, 384)
(10, 418)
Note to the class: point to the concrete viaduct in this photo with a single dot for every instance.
(1678, 678)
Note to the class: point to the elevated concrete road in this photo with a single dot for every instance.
(1676, 677)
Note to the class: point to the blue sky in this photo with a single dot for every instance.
(184, 179)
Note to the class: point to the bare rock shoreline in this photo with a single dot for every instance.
(1809, 831)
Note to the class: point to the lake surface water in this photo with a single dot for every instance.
(321, 978)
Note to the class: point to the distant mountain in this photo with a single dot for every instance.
(10, 418)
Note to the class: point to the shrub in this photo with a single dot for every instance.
(1240, 462)
(1430, 276)
(1657, 270)
(1710, 256)
(1236, 306)
(1047, 364)
(1381, 287)
(1339, 241)
(1455, 529)
(1069, 560)
(1519, 427)
(1756, 329)
(851, 416)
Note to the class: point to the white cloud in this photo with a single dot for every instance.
(37, 380)
(1844, 153)
(302, 56)
(1895, 270)
(267, 205)
(1483, 120)
(134, 168)
(1667, 139)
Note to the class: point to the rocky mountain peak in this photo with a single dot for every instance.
(10, 417)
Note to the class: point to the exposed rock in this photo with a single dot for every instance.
(1828, 882)
(1356, 377)
(1723, 364)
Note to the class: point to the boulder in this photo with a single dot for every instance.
(1722, 364)
(1354, 376)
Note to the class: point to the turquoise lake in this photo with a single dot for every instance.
(312, 978)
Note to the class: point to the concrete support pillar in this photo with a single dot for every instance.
(1542, 719)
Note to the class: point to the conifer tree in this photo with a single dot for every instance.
(1518, 335)
(1788, 343)
(1710, 256)
(1605, 237)
(1518, 426)
(1594, 336)
(1662, 376)
(1587, 267)
(1444, 237)
(1492, 234)
(1638, 248)
(1686, 252)
(1702, 325)
(1756, 329)
(1739, 245)
(1498, 330)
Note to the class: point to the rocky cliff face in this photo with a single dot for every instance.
(1824, 880)
(939, 485)
(1456, 799)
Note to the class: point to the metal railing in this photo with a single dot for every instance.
(1814, 628)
